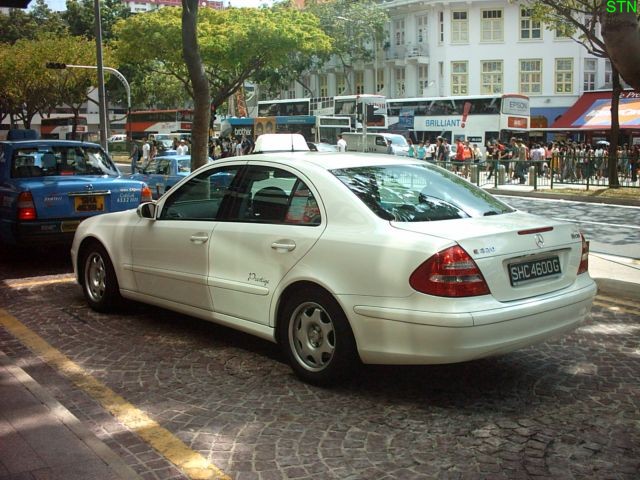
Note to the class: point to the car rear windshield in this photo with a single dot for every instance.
(418, 193)
(42, 161)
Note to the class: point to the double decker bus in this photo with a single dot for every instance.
(352, 106)
(64, 128)
(142, 123)
(478, 119)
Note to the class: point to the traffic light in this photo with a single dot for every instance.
(56, 65)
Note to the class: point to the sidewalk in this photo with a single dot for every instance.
(41, 439)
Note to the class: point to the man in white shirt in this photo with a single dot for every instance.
(342, 144)
(182, 149)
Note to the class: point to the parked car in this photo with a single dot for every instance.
(164, 172)
(342, 258)
(47, 187)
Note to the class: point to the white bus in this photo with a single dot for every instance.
(341, 105)
(478, 119)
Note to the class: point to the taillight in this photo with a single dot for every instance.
(584, 259)
(449, 273)
(26, 207)
(146, 194)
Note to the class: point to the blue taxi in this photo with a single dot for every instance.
(47, 187)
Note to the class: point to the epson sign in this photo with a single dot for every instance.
(515, 106)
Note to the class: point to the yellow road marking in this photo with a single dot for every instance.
(173, 449)
(35, 283)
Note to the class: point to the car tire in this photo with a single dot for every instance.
(99, 281)
(317, 339)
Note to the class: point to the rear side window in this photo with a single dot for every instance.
(44, 161)
(276, 196)
(418, 193)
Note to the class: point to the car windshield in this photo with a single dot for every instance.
(418, 193)
(52, 160)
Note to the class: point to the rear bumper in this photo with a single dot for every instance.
(39, 232)
(391, 336)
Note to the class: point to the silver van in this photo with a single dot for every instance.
(390, 143)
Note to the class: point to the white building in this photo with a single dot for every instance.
(474, 47)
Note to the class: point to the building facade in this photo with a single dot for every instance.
(475, 47)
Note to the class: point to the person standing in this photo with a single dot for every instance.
(342, 144)
(136, 153)
(182, 148)
(146, 152)
(421, 152)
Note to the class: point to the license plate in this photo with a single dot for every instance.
(528, 271)
(92, 203)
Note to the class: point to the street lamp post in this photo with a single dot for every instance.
(101, 94)
(118, 75)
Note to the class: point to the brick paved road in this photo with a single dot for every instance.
(565, 409)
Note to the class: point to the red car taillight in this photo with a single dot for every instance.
(449, 273)
(146, 194)
(26, 207)
(584, 259)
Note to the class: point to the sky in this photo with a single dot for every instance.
(60, 4)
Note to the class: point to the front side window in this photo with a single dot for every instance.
(459, 26)
(590, 72)
(206, 196)
(421, 28)
(459, 78)
(491, 27)
(400, 81)
(491, 77)
(359, 82)
(47, 160)
(531, 76)
(530, 29)
(398, 26)
(564, 75)
(418, 193)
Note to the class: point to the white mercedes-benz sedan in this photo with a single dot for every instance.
(343, 258)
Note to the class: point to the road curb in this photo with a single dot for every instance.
(618, 288)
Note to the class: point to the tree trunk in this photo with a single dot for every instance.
(621, 34)
(199, 82)
(615, 129)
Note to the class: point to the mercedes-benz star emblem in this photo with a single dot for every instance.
(539, 240)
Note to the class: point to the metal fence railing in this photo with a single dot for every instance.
(560, 170)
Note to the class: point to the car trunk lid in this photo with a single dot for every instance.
(519, 255)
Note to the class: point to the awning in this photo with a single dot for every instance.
(592, 111)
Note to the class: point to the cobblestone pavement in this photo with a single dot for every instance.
(565, 409)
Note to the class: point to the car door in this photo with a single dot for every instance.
(171, 252)
(275, 222)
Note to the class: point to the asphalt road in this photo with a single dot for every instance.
(611, 229)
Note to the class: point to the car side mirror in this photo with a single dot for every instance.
(147, 210)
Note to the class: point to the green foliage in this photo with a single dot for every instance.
(353, 26)
(27, 87)
(80, 17)
(235, 44)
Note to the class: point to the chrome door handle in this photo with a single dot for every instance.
(287, 245)
(199, 238)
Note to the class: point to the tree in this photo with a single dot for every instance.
(80, 16)
(199, 84)
(234, 44)
(621, 34)
(355, 27)
(582, 19)
(27, 87)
